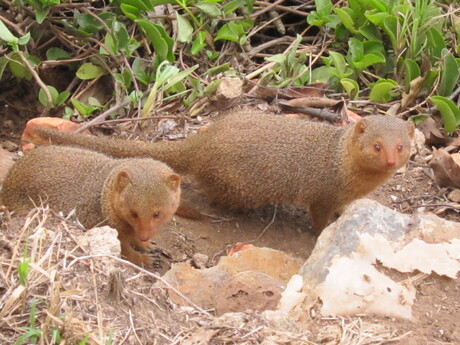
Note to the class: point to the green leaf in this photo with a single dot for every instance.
(218, 69)
(346, 17)
(42, 96)
(412, 71)
(371, 59)
(449, 74)
(231, 6)
(18, 69)
(380, 5)
(380, 91)
(3, 64)
(211, 55)
(161, 42)
(450, 113)
(390, 26)
(24, 39)
(6, 35)
(356, 50)
(110, 44)
(184, 29)
(138, 4)
(94, 102)
(31, 332)
(23, 270)
(210, 9)
(338, 61)
(162, 2)
(321, 75)
(41, 15)
(231, 32)
(177, 77)
(351, 87)
(124, 78)
(131, 12)
(89, 71)
(57, 54)
(63, 96)
(370, 32)
(435, 44)
(88, 25)
(121, 36)
(84, 340)
(199, 43)
(67, 113)
(419, 118)
(212, 87)
(376, 18)
(83, 109)
(139, 71)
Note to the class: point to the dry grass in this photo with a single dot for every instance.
(107, 300)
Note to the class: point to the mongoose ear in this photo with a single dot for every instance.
(174, 181)
(122, 180)
(410, 128)
(360, 126)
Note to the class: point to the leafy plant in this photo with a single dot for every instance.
(322, 15)
(58, 98)
(289, 67)
(86, 110)
(394, 40)
(32, 333)
(449, 111)
(167, 76)
(23, 270)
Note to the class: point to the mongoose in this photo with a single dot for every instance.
(254, 160)
(135, 196)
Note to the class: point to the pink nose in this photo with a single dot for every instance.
(391, 164)
(143, 237)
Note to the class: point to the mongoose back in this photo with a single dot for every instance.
(135, 196)
(254, 160)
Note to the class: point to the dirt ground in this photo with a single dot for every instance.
(436, 310)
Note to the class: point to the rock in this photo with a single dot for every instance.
(341, 270)
(279, 321)
(454, 196)
(229, 88)
(101, 241)
(250, 279)
(199, 260)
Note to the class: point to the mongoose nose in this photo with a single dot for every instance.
(143, 238)
(391, 163)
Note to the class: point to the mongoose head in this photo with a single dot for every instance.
(382, 143)
(145, 198)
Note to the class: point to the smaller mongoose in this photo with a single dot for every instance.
(253, 160)
(135, 196)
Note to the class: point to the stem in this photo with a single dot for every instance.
(38, 80)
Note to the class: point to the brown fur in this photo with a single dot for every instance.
(135, 196)
(250, 161)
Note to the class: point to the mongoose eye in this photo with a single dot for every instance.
(134, 214)
(399, 147)
(156, 215)
(377, 147)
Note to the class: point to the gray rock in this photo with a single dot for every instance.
(342, 272)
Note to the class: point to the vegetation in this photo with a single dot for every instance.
(153, 52)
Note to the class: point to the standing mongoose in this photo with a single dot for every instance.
(135, 196)
(254, 160)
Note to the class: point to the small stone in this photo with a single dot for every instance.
(199, 260)
(9, 145)
(454, 195)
